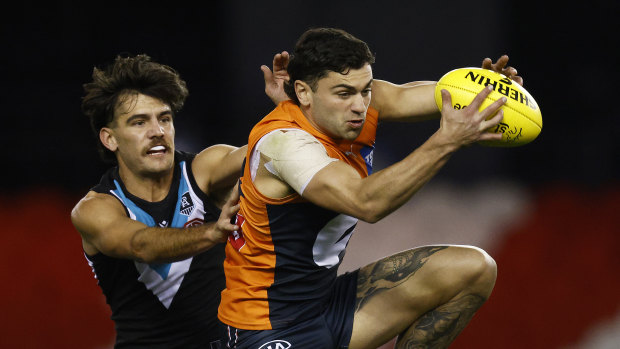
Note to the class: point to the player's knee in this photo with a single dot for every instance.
(478, 269)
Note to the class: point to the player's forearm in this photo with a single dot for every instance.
(390, 188)
(163, 245)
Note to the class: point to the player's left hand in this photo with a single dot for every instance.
(500, 67)
(274, 80)
(225, 225)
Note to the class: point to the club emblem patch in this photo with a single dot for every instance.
(187, 205)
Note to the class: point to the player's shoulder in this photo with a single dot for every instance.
(289, 144)
(213, 154)
(95, 205)
(288, 135)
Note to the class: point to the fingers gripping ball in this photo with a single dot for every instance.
(522, 120)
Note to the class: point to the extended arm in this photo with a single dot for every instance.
(415, 101)
(101, 221)
(340, 188)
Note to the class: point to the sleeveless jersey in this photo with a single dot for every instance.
(282, 262)
(168, 305)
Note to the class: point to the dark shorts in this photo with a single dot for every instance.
(332, 329)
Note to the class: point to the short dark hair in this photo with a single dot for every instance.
(321, 50)
(129, 75)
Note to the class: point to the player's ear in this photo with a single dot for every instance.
(304, 92)
(106, 136)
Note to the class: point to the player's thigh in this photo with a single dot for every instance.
(394, 291)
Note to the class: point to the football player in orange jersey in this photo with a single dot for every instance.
(308, 179)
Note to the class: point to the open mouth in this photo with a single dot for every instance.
(356, 123)
(157, 150)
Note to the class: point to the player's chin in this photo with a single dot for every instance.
(351, 133)
(158, 169)
(159, 162)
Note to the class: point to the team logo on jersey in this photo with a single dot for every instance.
(187, 205)
(236, 238)
(194, 222)
(277, 344)
(367, 153)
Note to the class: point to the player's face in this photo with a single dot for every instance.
(144, 135)
(339, 104)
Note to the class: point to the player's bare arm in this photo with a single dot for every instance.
(409, 102)
(339, 187)
(415, 101)
(104, 226)
(217, 169)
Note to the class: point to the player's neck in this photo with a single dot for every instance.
(150, 188)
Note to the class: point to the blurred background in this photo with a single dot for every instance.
(548, 212)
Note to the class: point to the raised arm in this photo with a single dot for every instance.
(101, 221)
(415, 101)
(340, 188)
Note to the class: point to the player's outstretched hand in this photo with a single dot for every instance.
(500, 67)
(274, 80)
(469, 125)
(225, 223)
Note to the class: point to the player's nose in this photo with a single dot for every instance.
(155, 129)
(359, 105)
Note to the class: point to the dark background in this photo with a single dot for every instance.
(567, 56)
(558, 266)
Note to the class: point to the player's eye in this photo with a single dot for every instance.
(344, 94)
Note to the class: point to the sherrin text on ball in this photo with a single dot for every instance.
(522, 121)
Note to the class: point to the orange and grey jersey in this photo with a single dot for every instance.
(282, 262)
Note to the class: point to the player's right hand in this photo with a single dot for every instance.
(469, 125)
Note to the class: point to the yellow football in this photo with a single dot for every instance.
(522, 120)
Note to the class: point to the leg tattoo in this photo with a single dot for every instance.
(440, 326)
(391, 272)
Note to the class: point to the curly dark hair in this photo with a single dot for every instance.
(129, 75)
(321, 50)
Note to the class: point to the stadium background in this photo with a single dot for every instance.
(547, 212)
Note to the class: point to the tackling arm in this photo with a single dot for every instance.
(217, 169)
(101, 221)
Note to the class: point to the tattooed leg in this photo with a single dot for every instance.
(426, 295)
(390, 272)
(439, 327)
